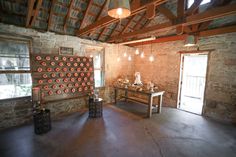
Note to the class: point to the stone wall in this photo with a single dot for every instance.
(220, 94)
(19, 111)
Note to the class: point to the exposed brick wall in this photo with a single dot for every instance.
(19, 111)
(220, 94)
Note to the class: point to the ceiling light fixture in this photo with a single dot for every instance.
(119, 9)
(137, 51)
(139, 40)
(151, 57)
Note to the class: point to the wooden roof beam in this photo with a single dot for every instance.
(29, 12)
(51, 14)
(103, 30)
(100, 12)
(105, 21)
(68, 14)
(86, 12)
(180, 14)
(208, 15)
(36, 12)
(166, 12)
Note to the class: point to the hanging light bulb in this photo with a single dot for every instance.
(129, 58)
(118, 59)
(142, 55)
(91, 56)
(125, 54)
(137, 51)
(151, 58)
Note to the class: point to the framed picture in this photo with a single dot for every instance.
(66, 51)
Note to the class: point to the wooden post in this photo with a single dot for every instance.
(126, 95)
(160, 104)
(150, 106)
(115, 95)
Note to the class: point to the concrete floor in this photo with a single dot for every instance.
(124, 132)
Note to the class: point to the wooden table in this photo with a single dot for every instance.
(150, 95)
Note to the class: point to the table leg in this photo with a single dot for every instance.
(150, 101)
(126, 95)
(160, 104)
(115, 95)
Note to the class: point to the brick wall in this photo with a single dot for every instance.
(19, 111)
(220, 94)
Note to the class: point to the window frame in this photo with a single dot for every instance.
(28, 42)
(100, 50)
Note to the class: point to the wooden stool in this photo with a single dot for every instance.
(95, 108)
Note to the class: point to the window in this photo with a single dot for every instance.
(190, 2)
(15, 77)
(98, 61)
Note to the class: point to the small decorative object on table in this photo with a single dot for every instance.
(95, 107)
(42, 121)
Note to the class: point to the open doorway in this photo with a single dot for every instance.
(192, 82)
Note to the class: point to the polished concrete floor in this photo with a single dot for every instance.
(124, 132)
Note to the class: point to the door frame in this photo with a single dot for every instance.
(182, 54)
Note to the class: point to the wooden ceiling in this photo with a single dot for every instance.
(88, 18)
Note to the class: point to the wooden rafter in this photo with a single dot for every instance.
(85, 13)
(68, 14)
(180, 14)
(139, 21)
(29, 12)
(36, 12)
(127, 25)
(208, 15)
(100, 12)
(51, 14)
(105, 21)
(103, 30)
(110, 35)
(166, 12)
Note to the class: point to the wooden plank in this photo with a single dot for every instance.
(36, 12)
(51, 14)
(29, 12)
(151, 11)
(193, 7)
(166, 12)
(85, 13)
(100, 12)
(193, 19)
(68, 14)
(105, 21)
